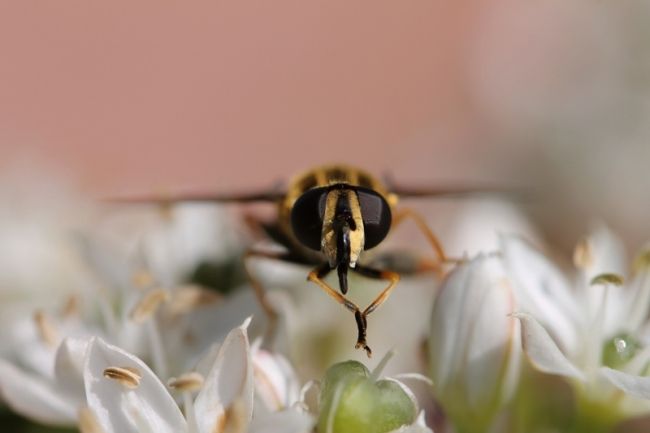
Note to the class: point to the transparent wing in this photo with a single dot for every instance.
(203, 197)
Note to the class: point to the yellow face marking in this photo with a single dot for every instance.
(357, 236)
(328, 237)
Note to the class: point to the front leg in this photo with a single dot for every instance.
(316, 276)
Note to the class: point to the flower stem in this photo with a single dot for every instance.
(594, 417)
(157, 348)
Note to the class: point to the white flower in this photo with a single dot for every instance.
(124, 395)
(51, 398)
(474, 343)
(112, 296)
(167, 242)
(588, 332)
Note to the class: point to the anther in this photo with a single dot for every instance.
(142, 279)
(148, 305)
(192, 381)
(186, 299)
(583, 254)
(46, 329)
(603, 279)
(71, 306)
(128, 377)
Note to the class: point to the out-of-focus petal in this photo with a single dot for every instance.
(229, 385)
(449, 325)
(69, 366)
(275, 380)
(638, 363)
(472, 333)
(607, 253)
(34, 397)
(542, 290)
(490, 343)
(148, 407)
(477, 224)
(638, 301)
(292, 420)
(637, 386)
(602, 252)
(542, 351)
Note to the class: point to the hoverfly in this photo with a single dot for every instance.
(326, 218)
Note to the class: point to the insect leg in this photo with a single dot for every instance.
(316, 276)
(421, 224)
(260, 292)
(391, 277)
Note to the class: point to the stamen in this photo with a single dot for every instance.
(142, 279)
(187, 382)
(382, 364)
(157, 348)
(186, 299)
(106, 311)
(128, 377)
(604, 279)
(88, 422)
(583, 255)
(71, 307)
(148, 305)
(46, 329)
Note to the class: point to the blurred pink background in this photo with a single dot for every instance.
(135, 96)
(138, 97)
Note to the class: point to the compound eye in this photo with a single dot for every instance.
(376, 215)
(307, 217)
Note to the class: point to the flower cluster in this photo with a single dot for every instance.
(133, 341)
(591, 332)
(136, 346)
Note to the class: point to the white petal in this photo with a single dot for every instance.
(147, 408)
(608, 252)
(490, 344)
(637, 303)
(275, 380)
(605, 254)
(477, 223)
(639, 362)
(449, 324)
(68, 367)
(34, 397)
(191, 233)
(229, 385)
(542, 290)
(291, 420)
(542, 351)
(213, 322)
(637, 386)
(472, 333)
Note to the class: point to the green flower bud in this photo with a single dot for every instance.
(353, 401)
(620, 350)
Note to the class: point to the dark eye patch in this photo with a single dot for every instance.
(307, 217)
(376, 215)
